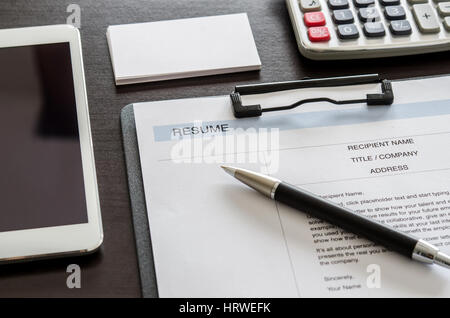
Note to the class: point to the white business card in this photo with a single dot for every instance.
(163, 50)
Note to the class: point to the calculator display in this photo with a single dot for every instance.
(41, 183)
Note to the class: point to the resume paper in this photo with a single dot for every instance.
(212, 236)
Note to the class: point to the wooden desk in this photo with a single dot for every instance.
(113, 271)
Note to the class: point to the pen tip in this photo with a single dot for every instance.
(229, 170)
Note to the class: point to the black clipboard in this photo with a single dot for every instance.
(137, 196)
(138, 206)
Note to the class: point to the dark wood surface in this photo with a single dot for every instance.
(112, 272)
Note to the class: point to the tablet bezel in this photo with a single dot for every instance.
(68, 239)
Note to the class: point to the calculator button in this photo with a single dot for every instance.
(400, 27)
(374, 29)
(395, 13)
(389, 2)
(363, 3)
(318, 34)
(343, 16)
(417, 1)
(347, 31)
(309, 5)
(313, 19)
(368, 14)
(426, 18)
(447, 23)
(444, 9)
(337, 4)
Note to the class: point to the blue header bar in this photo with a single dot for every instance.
(289, 121)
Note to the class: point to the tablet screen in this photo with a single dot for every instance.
(41, 183)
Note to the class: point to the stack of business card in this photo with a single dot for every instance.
(154, 51)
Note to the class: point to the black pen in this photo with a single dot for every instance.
(318, 207)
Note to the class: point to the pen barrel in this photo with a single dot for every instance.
(346, 219)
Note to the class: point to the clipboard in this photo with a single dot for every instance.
(139, 211)
(138, 204)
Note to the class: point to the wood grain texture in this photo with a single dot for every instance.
(113, 271)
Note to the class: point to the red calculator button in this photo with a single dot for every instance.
(318, 34)
(314, 19)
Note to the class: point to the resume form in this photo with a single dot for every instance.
(214, 237)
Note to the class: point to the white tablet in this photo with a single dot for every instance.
(49, 203)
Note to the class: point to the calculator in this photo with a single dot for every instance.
(352, 29)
